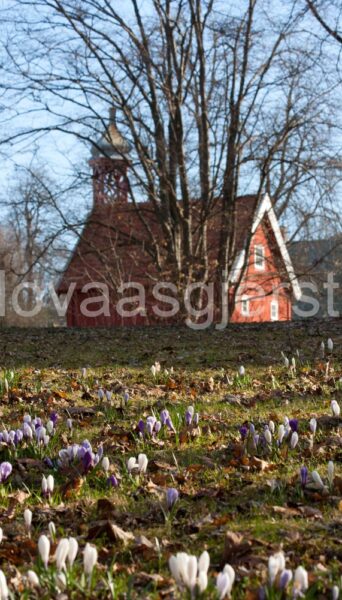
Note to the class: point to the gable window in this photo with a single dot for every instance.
(274, 310)
(259, 258)
(245, 306)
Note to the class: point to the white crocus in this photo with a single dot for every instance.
(335, 407)
(276, 564)
(1, 534)
(281, 433)
(89, 559)
(28, 518)
(316, 478)
(4, 593)
(268, 436)
(131, 464)
(335, 593)
(44, 549)
(61, 581)
(105, 464)
(271, 427)
(153, 370)
(49, 426)
(33, 578)
(313, 425)
(203, 566)
(44, 485)
(50, 483)
(330, 345)
(142, 463)
(242, 371)
(52, 530)
(331, 472)
(73, 549)
(62, 552)
(225, 581)
(300, 582)
(294, 439)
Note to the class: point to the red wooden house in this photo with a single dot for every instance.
(113, 248)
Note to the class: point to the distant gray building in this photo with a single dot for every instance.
(318, 264)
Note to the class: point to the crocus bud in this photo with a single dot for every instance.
(276, 564)
(331, 471)
(142, 462)
(28, 518)
(153, 371)
(49, 426)
(281, 433)
(285, 578)
(44, 549)
(300, 583)
(172, 496)
(89, 559)
(126, 397)
(5, 471)
(313, 425)
(242, 371)
(84, 372)
(330, 345)
(204, 562)
(316, 478)
(303, 476)
(62, 553)
(44, 486)
(112, 481)
(224, 582)
(73, 549)
(271, 427)
(33, 578)
(61, 581)
(294, 439)
(1, 534)
(105, 464)
(100, 394)
(268, 436)
(4, 593)
(335, 593)
(69, 424)
(131, 464)
(335, 407)
(109, 395)
(52, 530)
(50, 484)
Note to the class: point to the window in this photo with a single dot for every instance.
(274, 310)
(245, 306)
(259, 258)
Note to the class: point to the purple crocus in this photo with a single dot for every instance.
(169, 424)
(5, 471)
(112, 481)
(172, 496)
(164, 415)
(188, 418)
(157, 426)
(303, 476)
(243, 431)
(196, 419)
(87, 461)
(293, 424)
(141, 426)
(54, 418)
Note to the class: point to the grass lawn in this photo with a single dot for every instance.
(240, 495)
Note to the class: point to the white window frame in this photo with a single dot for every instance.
(257, 248)
(274, 305)
(245, 306)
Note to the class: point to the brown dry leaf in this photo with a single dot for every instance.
(234, 547)
(72, 487)
(110, 530)
(262, 465)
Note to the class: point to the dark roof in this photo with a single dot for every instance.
(316, 256)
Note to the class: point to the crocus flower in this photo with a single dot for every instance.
(268, 436)
(276, 564)
(330, 345)
(73, 549)
(185, 567)
(69, 424)
(303, 476)
(54, 418)
(44, 549)
(225, 581)
(5, 471)
(153, 370)
(331, 471)
(243, 432)
(131, 464)
(281, 433)
(335, 407)
(169, 424)
(4, 593)
(1, 534)
(316, 478)
(141, 426)
(126, 397)
(87, 461)
(172, 496)
(196, 419)
(112, 481)
(242, 371)
(271, 427)
(164, 416)
(84, 372)
(109, 395)
(89, 559)
(142, 463)
(294, 440)
(100, 394)
(313, 425)
(28, 518)
(285, 578)
(157, 427)
(52, 530)
(335, 593)
(61, 581)
(293, 424)
(300, 583)
(33, 578)
(203, 566)
(105, 464)
(62, 552)
(49, 426)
